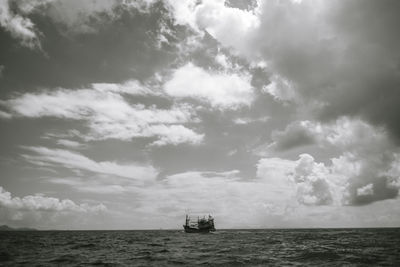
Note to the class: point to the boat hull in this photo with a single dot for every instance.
(189, 229)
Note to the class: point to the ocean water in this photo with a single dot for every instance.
(297, 247)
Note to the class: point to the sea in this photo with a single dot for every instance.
(269, 247)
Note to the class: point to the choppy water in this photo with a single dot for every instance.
(222, 248)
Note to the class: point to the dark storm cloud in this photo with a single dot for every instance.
(346, 58)
(379, 189)
(294, 135)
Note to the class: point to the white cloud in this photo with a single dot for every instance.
(94, 185)
(365, 155)
(183, 12)
(70, 143)
(365, 190)
(42, 203)
(313, 183)
(73, 160)
(109, 115)
(247, 120)
(175, 134)
(221, 90)
(19, 27)
(44, 212)
(226, 24)
(281, 89)
(131, 87)
(223, 60)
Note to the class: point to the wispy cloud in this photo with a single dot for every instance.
(70, 143)
(73, 160)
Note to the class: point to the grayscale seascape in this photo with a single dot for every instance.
(288, 247)
(202, 117)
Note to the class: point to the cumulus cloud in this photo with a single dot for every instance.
(346, 181)
(42, 203)
(226, 24)
(221, 90)
(72, 160)
(312, 183)
(109, 115)
(365, 160)
(41, 211)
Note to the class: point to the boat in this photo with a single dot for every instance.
(202, 225)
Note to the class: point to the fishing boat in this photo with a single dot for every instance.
(201, 225)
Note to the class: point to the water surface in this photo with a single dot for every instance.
(294, 247)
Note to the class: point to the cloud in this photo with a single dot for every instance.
(321, 57)
(70, 143)
(130, 87)
(41, 211)
(221, 90)
(42, 203)
(19, 27)
(72, 160)
(5, 115)
(365, 155)
(73, 16)
(78, 16)
(96, 184)
(281, 89)
(222, 194)
(175, 134)
(345, 133)
(312, 183)
(226, 24)
(295, 134)
(108, 115)
(247, 120)
(365, 190)
(285, 193)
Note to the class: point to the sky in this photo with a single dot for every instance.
(266, 114)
